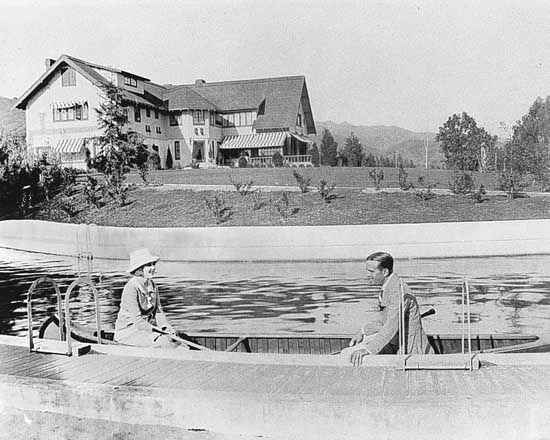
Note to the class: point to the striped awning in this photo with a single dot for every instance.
(68, 103)
(69, 145)
(302, 138)
(255, 140)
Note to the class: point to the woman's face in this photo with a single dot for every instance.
(149, 270)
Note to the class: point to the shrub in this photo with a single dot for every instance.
(218, 209)
(512, 182)
(94, 191)
(142, 163)
(462, 183)
(303, 182)
(426, 193)
(404, 183)
(325, 189)
(257, 200)
(277, 159)
(243, 188)
(243, 162)
(478, 196)
(282, 205)
(377, 176)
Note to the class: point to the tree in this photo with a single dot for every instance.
(528, 150)
(118, 150)
(329, 149)
(466, 146)
(352, 151)
(314, 152)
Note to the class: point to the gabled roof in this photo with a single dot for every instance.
(281, 97)
(185, 98)
(152, 96)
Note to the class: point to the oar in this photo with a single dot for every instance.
(180, 340)
(429, 312)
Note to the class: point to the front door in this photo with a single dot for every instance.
(199, 151)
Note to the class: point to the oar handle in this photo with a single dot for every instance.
(181, 340)
(429, 312)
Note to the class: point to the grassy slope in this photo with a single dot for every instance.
(342, 177)
(182, 208)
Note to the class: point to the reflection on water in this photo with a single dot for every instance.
(508, 295)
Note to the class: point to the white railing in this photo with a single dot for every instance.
(266, 161)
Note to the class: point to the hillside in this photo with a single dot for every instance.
(11, 121)
(385, 140)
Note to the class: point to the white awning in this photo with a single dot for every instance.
(68, 103)
(302, 138)
(255, 140)
(69, 145)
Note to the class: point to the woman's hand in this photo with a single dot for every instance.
(169, 330)
(356, 358)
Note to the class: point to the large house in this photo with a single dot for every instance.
(206, 123)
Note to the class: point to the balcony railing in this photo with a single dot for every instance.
(266, 161)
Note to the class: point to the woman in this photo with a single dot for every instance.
(140, 316)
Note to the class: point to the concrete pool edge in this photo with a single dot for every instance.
(283, 243)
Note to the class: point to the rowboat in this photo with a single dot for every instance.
(325, 344)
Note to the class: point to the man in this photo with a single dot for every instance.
(387, 340)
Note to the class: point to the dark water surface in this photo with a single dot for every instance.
(508, 294)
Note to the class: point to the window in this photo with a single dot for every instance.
(148, 128)
(299, 120)
(156, 114)
(129, 81)
(148, 112)
(198, 117)
(158, 130)
(219, 119)
(137, 114)
(175, 119)
(177, 154)
(199, 131)
(68, 77)
(155, 148)
(76, 112)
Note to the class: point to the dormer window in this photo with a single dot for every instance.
(129, 81)
(68, 77)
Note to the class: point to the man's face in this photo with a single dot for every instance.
(375, 274)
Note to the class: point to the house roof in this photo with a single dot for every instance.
(151, 97)
(185, 98)
(276, 100)
(280, 97)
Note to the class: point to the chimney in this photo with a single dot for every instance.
(200, 82)
(48, 63)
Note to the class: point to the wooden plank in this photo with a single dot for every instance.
(210, 343)
(301, 346)
(272, 345)
(262, 345)
(285, 348)
(57, 366)
(129, 373)
(253, 343)
(293, 346)
(221, 344)
(59, 370)
(170, 369)
(17, 368)
(315, 346)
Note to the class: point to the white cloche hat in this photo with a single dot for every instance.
(141, 257)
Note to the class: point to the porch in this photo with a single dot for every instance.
(258, 149)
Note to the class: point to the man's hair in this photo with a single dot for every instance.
(384, 260)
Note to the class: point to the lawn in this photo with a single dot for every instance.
(340, 176)
(158, 207)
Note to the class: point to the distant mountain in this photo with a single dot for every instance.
(385, 141)
(11, 121)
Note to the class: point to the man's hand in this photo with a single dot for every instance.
(356, 358)
(356, 339)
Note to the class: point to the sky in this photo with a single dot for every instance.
(408, 63)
